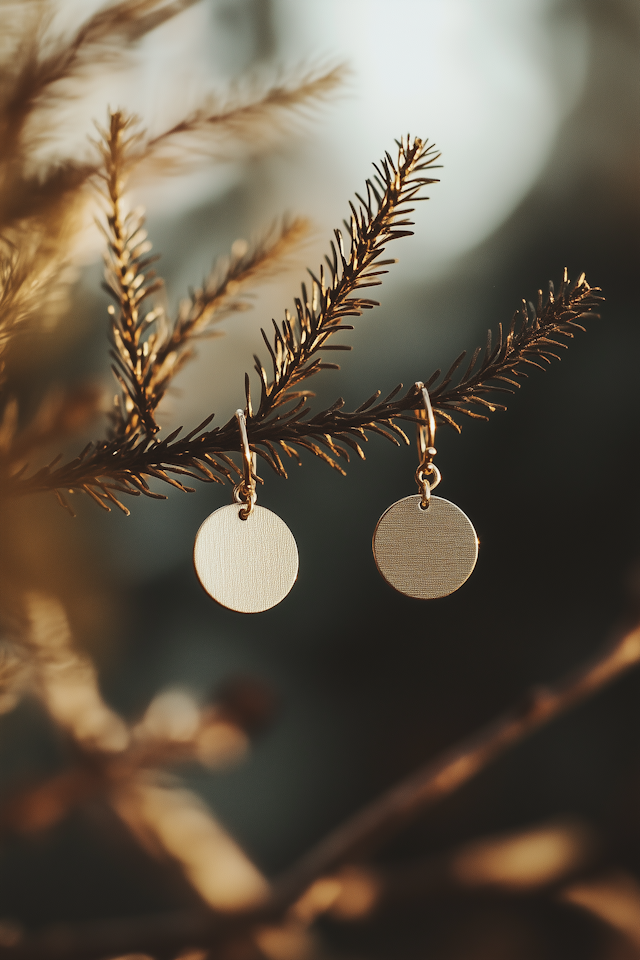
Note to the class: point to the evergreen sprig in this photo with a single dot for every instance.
(130, 280)
(283, 423)
(320, 311)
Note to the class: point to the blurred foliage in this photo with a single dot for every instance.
(133, 708)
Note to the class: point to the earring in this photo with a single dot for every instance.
(424, 546)
(245, 556)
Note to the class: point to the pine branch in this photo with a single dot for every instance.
(18, 298)
(321, 312)
(145, 359)
(46, 203)
(249, 264)
(130, 282)
(211, 132)
(535, 336)
(220, 296)
(363, 833)
(251, 116)
(44, 61)
(43, 201)
(203, 454)
(44, 66)
(147, 355)
(27, 278)
(61, 414)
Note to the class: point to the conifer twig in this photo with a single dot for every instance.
(321, 311)
(44, 63)
(147, 352)
(44, 60)
(130, 281)
(250, 116)
(147, 355)
(203, 454)
(222, 294)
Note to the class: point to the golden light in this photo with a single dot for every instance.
(614, 898)
(360, 891)
(528, 859)
(67, 681)
(173, 820)
(290, 941)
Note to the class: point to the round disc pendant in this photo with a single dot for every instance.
(425, 553)
(246, 565)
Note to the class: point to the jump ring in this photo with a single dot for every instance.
(423, 474)
(247, 497)
(426, 494)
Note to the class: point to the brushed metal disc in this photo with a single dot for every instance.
(425, 553)
(246, 565)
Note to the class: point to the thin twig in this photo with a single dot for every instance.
(443, 776)
(45, 64)
(360, 835)
(283, 425)
(147, 354)
(223, 293)
(203, 454)
(334, 295)
(249, 116)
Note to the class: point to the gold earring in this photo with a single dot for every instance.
(424, 546)
(245, 556)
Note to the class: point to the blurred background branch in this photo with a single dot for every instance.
(167, 764)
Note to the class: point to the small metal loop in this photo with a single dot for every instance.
(425, 484)
(245, 491)
(245, 497)
(242, 495)
(425, 489)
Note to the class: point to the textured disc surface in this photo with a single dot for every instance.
(246, 565)
(425, 553)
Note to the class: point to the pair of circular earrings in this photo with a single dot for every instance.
(246, 557)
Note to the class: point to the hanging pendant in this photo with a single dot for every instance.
(425, 547)
(246, 565)
(245, 556)
(425, 553)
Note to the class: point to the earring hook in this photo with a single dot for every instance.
(426, 447)
(245, 492)
(427, 430)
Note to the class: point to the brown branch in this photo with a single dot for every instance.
(41, 806)
(219, 735)
(441, 777)
(334, 296)
(533, 340)
(130, 282)
(202, 454)
(249, 263)
(137, 353)
(252, 116)
(223, 293)
(45, 61)
(147, 353)
(43, 66)
(216, 742)
(147, 357)
(283, 424)
(360, 835)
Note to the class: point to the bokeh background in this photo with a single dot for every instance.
(535, 105)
